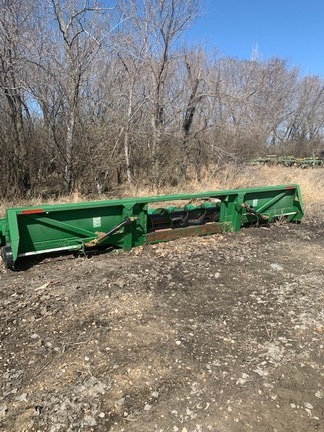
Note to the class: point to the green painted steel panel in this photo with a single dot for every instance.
(72, 226)
(3, 229)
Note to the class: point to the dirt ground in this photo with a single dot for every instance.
(222, 333)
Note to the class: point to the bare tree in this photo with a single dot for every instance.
(15, 29)
(305, 125)
(195, 83)
(160, 24)
(82, 37)
(146, 109)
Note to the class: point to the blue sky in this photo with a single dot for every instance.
(293, 30)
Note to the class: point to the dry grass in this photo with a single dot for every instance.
(5, 204)
(310, 180)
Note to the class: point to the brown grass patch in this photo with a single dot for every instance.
(310, 180)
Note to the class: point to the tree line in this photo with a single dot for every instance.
(94, 94)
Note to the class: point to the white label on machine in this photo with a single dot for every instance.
(96, 222)
(254, 202)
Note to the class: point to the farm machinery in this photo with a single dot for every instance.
(127, 223)
(311, 161)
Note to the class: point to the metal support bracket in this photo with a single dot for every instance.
(103, 236)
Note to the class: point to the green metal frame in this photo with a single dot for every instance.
(76, 226)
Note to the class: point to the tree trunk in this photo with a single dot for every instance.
(126, 137)
(186, 128)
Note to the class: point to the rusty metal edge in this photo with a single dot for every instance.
(191, 231)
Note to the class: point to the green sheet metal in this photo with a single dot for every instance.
(131, 222)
